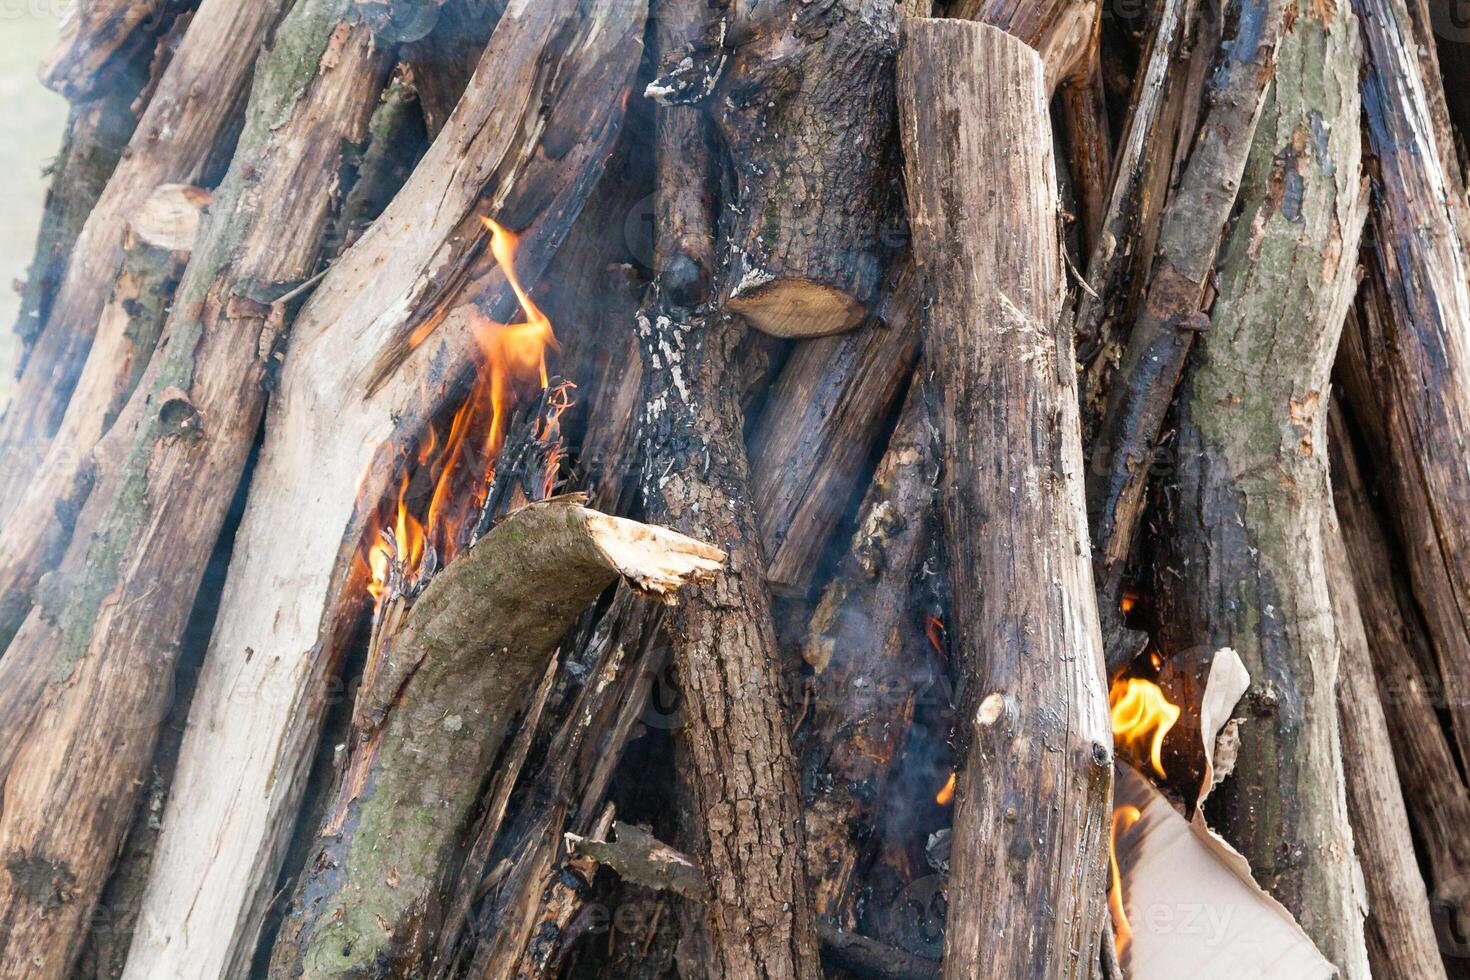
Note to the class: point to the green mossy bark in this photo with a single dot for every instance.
(1244, 563)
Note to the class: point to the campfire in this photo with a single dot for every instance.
(1008, 519)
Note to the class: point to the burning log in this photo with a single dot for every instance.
(141, 544)
(430, 721)
(1435, 793)
(1408, 370)
(1172, 310)
(857, 642)
(975, 129)
(191, 117)
(1243, 561)
(805, 106)
(741, 770)
(295, 580)
(1399, 928)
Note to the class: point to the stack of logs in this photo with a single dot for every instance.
(939, 364)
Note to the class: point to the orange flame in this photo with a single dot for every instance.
(461, 466)
(946, 796)
(1142, 716)
(1123, 818)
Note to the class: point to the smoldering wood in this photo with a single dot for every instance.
(859, 646)
(1171, 312)
(1011, 494)
(805, 106)
(191, 111)
(1399, 928)
(430, 719)
(1241, 560)
(1410, 693)
(823, 422)
(316, 485)
(143, 540)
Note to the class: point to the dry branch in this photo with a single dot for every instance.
(190, 119)
(110, 644)
(982, 201)
(806, 109)
(1399, 929)
(1170, 315)
(1242, 560)
(429, 723)
(553, 75)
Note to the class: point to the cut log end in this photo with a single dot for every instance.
(797, 308)
(656, 561)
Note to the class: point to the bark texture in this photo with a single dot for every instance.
(1244, 562)
(190, 114)
(268, 677)
(1399, 928)
(806, 109)
(435, 708)
(110, 644)
(1034, 794)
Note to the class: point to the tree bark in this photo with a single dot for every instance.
(430, 722)
(1244, 561)
(146, 535)
(806, 110)
(859, 645)
(1413, 356)
(291, 588)
(822, 425)
(1170, 315)
(189, 115)
(1435, 793)
(97, 41)
(1399, 929)
(1026, 888)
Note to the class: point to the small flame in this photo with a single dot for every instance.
(1123, 818)
(934, 630)
(946, 796)
(1142, 716)
(461, 465)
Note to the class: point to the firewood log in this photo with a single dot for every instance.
(142, 541)
(982, 201)
(1399, 929)
(440, 65)
(805, 106)
(430, 723)
(858, 645)
(1243, 562)
(291, 581)
(822, 425)
(1170, 315)
(96, 40)
(1435, 793)
(192, 110)
(1408, 369)
(155, 250)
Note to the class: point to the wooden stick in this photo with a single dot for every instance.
(858, 645)
(1435, 793)
(290, 582)
(982, 200)
(1243, 562)
(190, 114)
(142, 543)
(806, 110)
(1399, 929)
(431, 722)
(1171, 313)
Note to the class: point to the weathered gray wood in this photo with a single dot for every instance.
(109, 644)
(352, 390)
(1243, 560)
(1399, 929)
(1035, 754)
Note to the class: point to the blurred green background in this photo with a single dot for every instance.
(31, 123)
